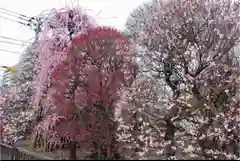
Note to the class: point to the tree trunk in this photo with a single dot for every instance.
(73, 150)
(103, 151)
(105, 146)
(95, 150)
(169, 136)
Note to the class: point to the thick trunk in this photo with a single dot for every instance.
(72, 150)
(102, 151)
(105, 146)
(169, 136)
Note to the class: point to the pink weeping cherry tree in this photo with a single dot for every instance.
(58, 28)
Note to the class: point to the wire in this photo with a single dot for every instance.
(12, 13)
(13, 52)
(7, 42)
(28, 21)
(14, 39)
(22, 23)
(24, 19)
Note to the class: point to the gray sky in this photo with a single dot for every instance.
(113, 13)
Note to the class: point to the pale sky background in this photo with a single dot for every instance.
(113, 13)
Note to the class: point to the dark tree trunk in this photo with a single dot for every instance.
(169, 135)
(105, 152)
(106, 146)
(95, 151)
(72, 150)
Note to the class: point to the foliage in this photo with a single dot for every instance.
(58, 28)
(86, 86)
(189, 46)
(16, 114)
(179, 99)
(141, 109)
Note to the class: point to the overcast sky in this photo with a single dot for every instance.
(113, 13)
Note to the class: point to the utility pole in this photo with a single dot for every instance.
(36, 24)
(38, 27)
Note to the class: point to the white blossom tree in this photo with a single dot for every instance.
(189, 48)
(16, 114)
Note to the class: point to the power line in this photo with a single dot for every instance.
(22, 23)
(7, 42)
(13, 52)
(25, 20)
(5, 13)
(28, 22)
(12, 13)
(14, 39)
(34, 21)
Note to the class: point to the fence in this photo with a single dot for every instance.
(12, 153)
